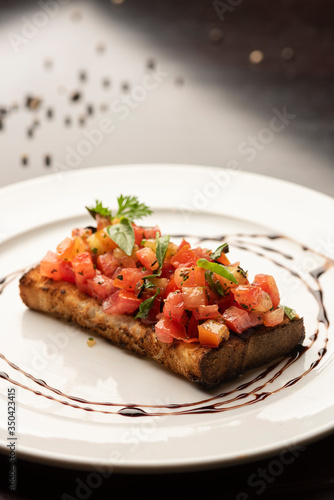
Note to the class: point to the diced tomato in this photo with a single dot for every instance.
(70, 248)
(202, 253)
(128, 262)
(211, 333)
(83, 267)
(167, 270)
(193, 276)
(206, 312)
(273, 318)
(223, 259)
(183, 243)
(192, 328)
(121, 302)
(50, 266)
(83, 287)
(268, 284)
(82, 232)
(171, 286)
(128, 278)
(184, 257)
(255, 318)
(107, 263)
(174, 307)
(139, 234)
(225, 302)
(236, 319)
(238, 274)
(148, 258)
(102, 221)
(150, 232)
(101, 286)
(100, 242)
(194, 297)
(166, 328)
(154, 312)
(66, 271)
(252, 297)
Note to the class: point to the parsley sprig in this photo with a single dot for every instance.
(128, 206)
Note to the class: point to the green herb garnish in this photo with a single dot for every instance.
(130, 207)
(123, 235)
(99, 209)
(224, 248)
(291, 313)
(161, 248)
(146, 306)
(217, 269)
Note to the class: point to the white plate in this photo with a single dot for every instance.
(200, 202)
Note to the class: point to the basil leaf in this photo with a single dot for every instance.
(215, 286)
(161, 248)
(217, 269)
(217, 253)
(291, 313)
(146, 306)
(123, 235)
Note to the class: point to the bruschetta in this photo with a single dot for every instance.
(191, 309)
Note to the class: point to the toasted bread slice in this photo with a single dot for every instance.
(204, 365)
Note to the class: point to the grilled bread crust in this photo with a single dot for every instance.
(203, 365)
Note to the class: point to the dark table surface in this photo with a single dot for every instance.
(209, 48)
(308, 475)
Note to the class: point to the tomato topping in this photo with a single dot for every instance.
(166, 328)
(273, 318)
(223, 259)
(121, 302)
(100, 286)
(225, 302)
(171, 286)
(211, 333)
(150, 232)
(128, 278)
(148, 258)
(194, 297)
(202, 253)
(83, 232)
(107, 263)
(192, 327)
(252, 297)
(66, 271)
(184, 257)
(189, 276)
(268, 284)
(167, 270)
(206, 312)
(237, 319)
(50, 266)
(83, 267)
(102, 221)
(191, 303)
(174, 307)
(70, 248)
